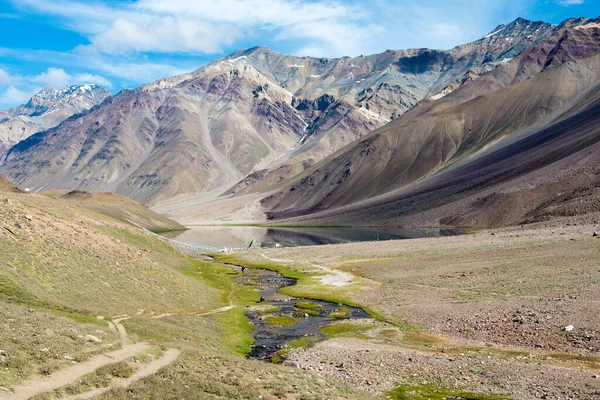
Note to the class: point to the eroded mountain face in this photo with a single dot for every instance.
(250, 120)
(394, 168)
(45, 110)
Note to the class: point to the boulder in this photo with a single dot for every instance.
(92, 339)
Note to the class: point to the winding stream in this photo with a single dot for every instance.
(306, 317)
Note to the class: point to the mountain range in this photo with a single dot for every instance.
(371, 139)
(45, 110)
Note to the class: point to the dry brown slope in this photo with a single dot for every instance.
(120, 208)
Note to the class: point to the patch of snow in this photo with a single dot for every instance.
(49, 112)
(495, 32)
(315, 76)
(438, 96)
(295, 66)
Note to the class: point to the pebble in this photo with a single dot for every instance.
(569, 328)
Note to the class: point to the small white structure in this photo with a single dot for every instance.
(27, 190)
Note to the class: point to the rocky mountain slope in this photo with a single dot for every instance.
(467, 142)
(256, 117)
(45, 110)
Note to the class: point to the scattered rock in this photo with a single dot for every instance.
(68, 357)
(596, 234)
(294, 364)
(28, 217)
(92, 338)
(569, 328)
(45, 350)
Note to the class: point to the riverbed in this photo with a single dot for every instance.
(283, 320)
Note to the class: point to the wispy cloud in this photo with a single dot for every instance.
(17, 89)
(13, 95)
(131, 42)
(207, 27)
(570, 2)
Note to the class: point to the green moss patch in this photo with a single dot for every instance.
(337, 329)
(308, 305)
(302, 342)
(435, 392)
(279, 320)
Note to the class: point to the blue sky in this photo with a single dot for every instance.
(124, 43)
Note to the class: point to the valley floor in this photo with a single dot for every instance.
(483, 313)
(479, 316)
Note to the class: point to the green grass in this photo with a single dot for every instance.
(300, 313)
(80, 264)
(307, 286)
(101, 377)
(279, 320)
(340, 313)
(337, 315)
(434, 392)
(341, 329)
(269, 310)
(424, 339)
(302, 342)
(239, 330)
(279, 357)
(24, 332)
(308, 305)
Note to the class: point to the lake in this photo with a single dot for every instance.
(240, 236)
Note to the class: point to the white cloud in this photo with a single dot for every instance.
(5, 78)
(57, 77)
(188, 26)
(17, 89)
(570, 2)
(12, 95)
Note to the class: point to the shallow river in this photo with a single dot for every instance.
(271, 339)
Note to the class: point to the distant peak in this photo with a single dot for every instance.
(68, 89)
(256, 50)
(519, 25)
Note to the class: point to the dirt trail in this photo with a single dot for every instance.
(215, 311)
(71, 374)
(144, 371)
(121, 328)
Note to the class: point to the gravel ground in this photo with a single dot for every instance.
(380, 367)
